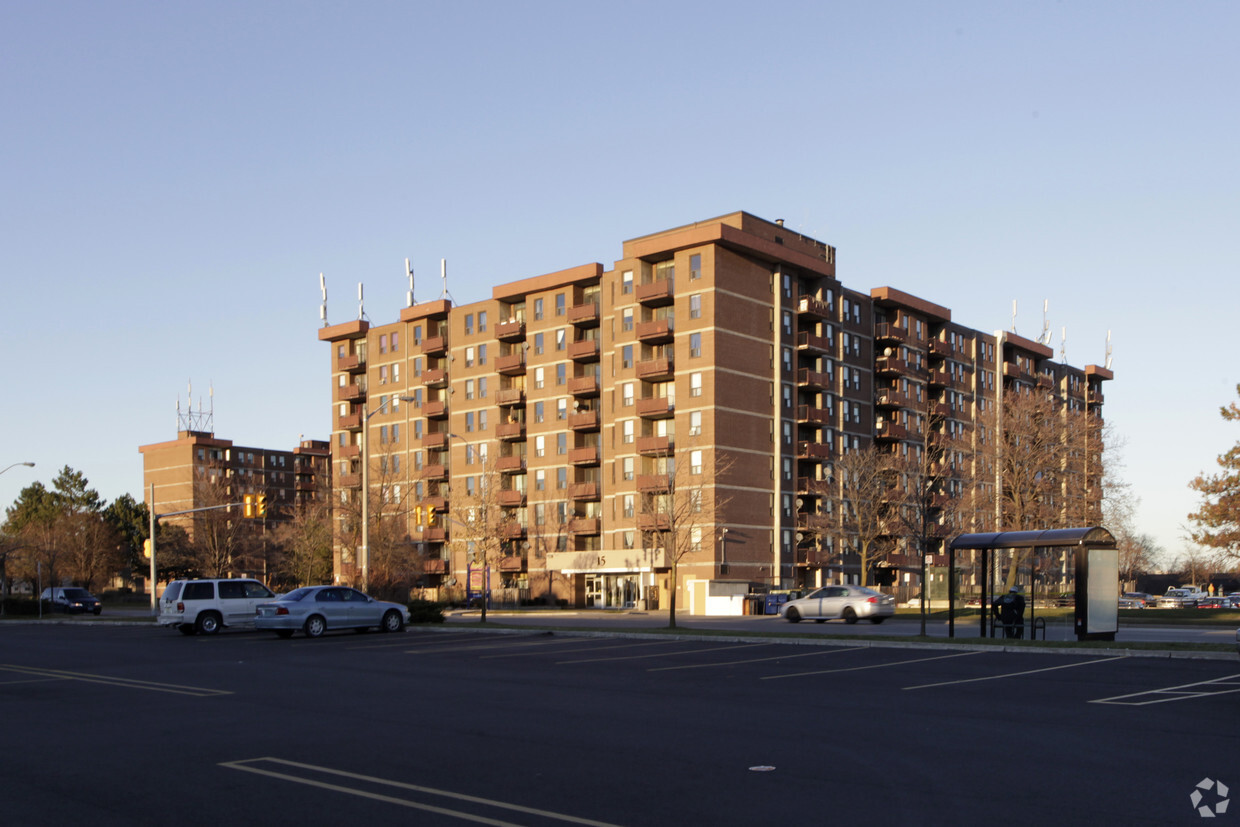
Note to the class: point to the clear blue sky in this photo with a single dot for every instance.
(175, 176)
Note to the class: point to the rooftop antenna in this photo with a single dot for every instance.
(200, 420)
(323, 306)
(361, 314)
(1013, 315)
(1046, 323)
(1063, 345)
(409, 272)
(443, 274)
(1108, 361)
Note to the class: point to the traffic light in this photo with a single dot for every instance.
(249, 506)
(146, 549)
(260, 505)
(417, 515)
(430, 516)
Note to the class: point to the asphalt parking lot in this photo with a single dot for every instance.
(453, 725)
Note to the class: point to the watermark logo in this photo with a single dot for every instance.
(1215, 790)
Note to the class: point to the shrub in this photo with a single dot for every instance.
(425, 611)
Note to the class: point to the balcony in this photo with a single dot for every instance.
(584, 491)
(656, 332)
(349, 422)
(810, 557)
(891, 366)
(435, 441)
(585, 350)
(435, 345)
(510, 431)
(653, 522)
(511, 364)
(514, 563)
(653, 483)
(434, 473)
(440, 504)
(1093, 397)
(810, 487)
(891, 431)
(512, 330)
(583, 421)
(654, 370)
(348, 451)
(813, 451)
(888, 332)
(583, 525)
(656, 294)
(349, 480)
(813, 416)
(813, 344)
(939, 378)
(435, 378)
(658, 407)
(512, 531)
(511, 498)
(436, 409)
(938, 349)
(510, 465)
(888, 398)
(583, 386)
(509, 397)
(351, 393)
(584, 315)
(434, 566)
(807, 378)
(438, 534)
(812, 306)
(583, 456)
(352, 363)
(655, 446)
(1013, 370)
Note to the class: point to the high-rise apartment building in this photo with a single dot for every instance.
(725, 350)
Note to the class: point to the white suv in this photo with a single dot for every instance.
(208, 605)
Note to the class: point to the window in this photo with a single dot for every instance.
(695, 384)
(538, 309)
(695, 462)
(695, 423)
(469, 388)
(540, 483)
(540, 446)
(539, 378)
(482, 323)
(538, 411)
(626, 357)
(561, 408)
(695, 306)
(626, 539)
(695, 345)
(482, 388)
(627, 431)
(469, 324)
(560, 337)
(395, 342)
(559, 304)
(627, 507)
(561, 444)
(383, 374)
(396, 432)
(538, 344)
(626, 466)
(626, 281)
(469, 357)
(482, 354)
(788, 359)
(695, 266)
(626, 319)
(561, 478)
(383, 343)
(626, 394)
(561, 373)
(469, 423)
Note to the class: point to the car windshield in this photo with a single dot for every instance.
(77, 594)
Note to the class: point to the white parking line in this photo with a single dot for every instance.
(248, 765)
(824, 651)
(1017, 674)
(871, 666)
(592, 648)
(1183, 692)
(660, 654)
(58, 674)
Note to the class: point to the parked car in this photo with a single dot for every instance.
(206, 606)
(849, 603)
(72, 600)
(319, 609)
(1130, 603)
(1142, 597)
(1181, 598)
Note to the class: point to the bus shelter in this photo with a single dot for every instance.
(1096, 563)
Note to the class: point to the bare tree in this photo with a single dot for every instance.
(547, 532)
(479, 523)
(305, 540)
(865, 477)
(678, 508)
(220, 538)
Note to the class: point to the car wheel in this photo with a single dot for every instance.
(284, 633)
(208, 623)
(877, 620)
(793, 616)
(98, 609)
(315, 626)
(187, 628)
(849, 615)
(392, 621)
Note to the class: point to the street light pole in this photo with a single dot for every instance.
(14, 465)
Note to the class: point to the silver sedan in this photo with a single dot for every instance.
(850, 603)
(318, 609)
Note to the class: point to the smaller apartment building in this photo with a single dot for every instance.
(198, 470)
(582, 394)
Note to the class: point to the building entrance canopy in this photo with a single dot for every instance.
(1099, 598)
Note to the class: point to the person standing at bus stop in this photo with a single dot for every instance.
(1010, 609)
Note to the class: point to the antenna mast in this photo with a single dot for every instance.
(200, 420)
(1046, 322)
(1013, 315)
(1108, 361)
(409, 272)
(361, 314)
(323, 306)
